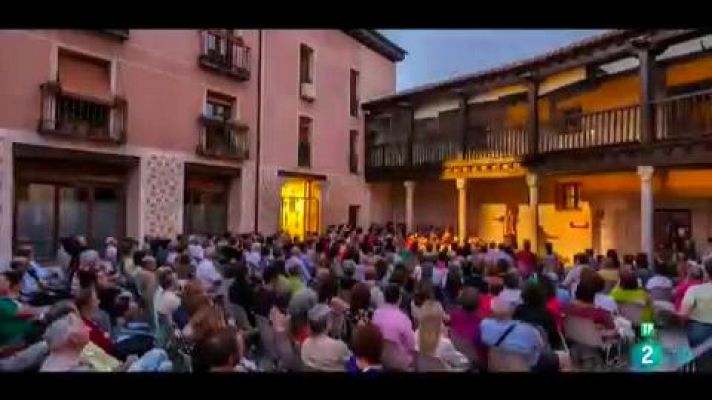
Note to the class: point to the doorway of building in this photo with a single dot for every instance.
(353, 215)
(672, 226)
(300, 207)
(205, 204)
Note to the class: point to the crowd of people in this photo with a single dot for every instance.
(351, 300)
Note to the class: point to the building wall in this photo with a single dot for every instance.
(335, 53)
(157, 72)
(689, 72)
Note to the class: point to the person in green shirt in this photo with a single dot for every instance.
(16, 323)
(628, 290)
(294, 279)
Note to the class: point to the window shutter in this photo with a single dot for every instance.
(84, 75)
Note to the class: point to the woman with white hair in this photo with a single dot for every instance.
(431, 337)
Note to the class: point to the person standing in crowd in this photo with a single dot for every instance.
(526, 260)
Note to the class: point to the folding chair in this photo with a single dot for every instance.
(267, 337)
(467, 348)
(428, 363)
(288, 353)
(585, 335)
(661, 294)
(499, 360)
(633, 312)
(393, 358)
(239, 314)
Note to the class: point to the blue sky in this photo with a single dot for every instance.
(440, 54)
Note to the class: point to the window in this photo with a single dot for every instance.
(568, 196)
(353, 215)
(353, 93)
(353, 152)
(219, 106)
(84, 75)
(306, 64)
(304, 150)
(205, 205)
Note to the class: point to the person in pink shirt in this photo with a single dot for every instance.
(395, 326)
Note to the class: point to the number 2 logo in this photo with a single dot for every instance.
(647, 354)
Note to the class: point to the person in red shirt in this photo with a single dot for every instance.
(526, 260)
(88, 304)
(583, 306)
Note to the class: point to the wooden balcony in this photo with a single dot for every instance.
(678, 119)
(75, 116)
(604, 128)
(687, 116)
(222, 139)
(224, 53)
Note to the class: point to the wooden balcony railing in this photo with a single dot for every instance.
(223, 139)
(75, 116)
(496, 144)
(388, 155)
(223, 52)
(603, 128)
(684, 116)
(436, 151)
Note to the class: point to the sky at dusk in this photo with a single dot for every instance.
(440, 54)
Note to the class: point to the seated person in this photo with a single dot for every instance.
(222, 351)
(518, 337)
(35, 288)
(534, 311)
(87, 304)
(511, 291)
(367, 347)
(319, 351)
(431, 339)
(659, 280)
(583, 306)
(629, 291)
(17, 327)
(695, 277)
(70, 350)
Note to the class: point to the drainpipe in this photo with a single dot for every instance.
(258, 132)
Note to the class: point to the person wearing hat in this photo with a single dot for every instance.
(319, 351)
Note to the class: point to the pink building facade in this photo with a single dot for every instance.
(161, 132)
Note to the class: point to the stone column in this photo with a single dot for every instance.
(533, 185)
(6, 198)
(409, 192)
(647, 208)
(461, 210)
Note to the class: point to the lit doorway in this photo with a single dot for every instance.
(300, 207)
